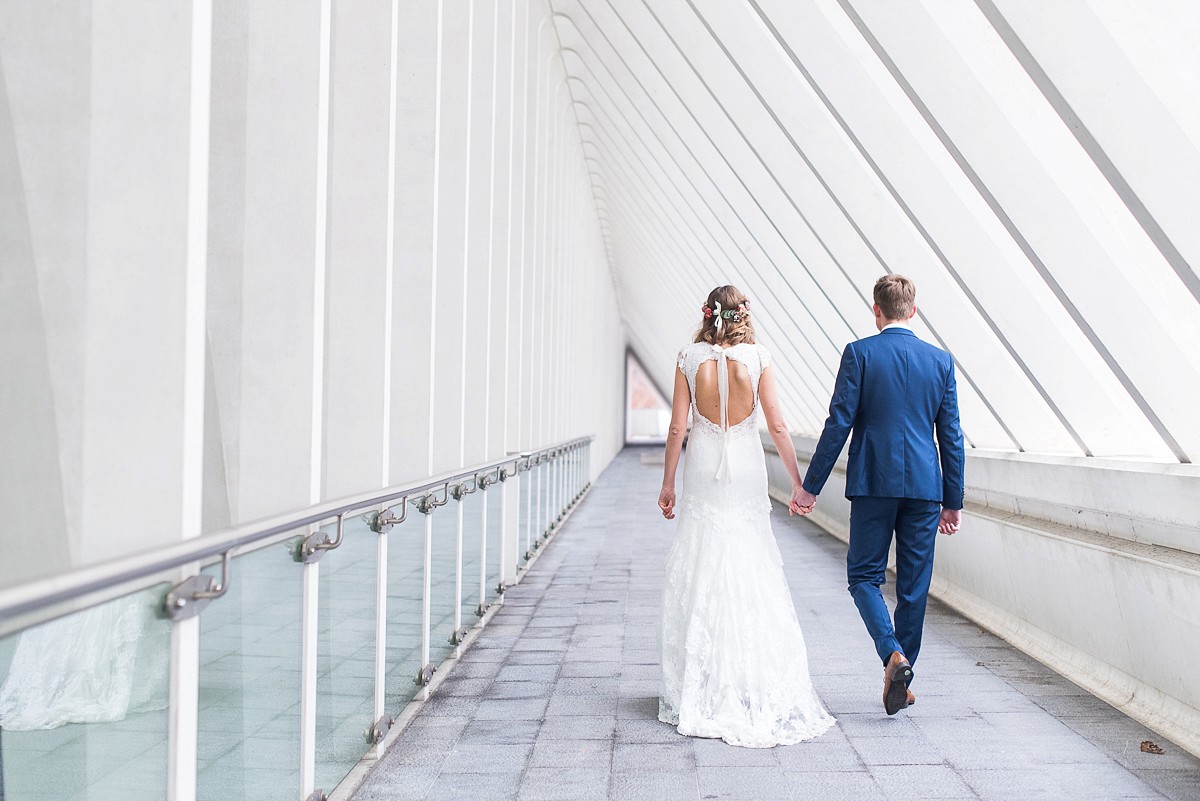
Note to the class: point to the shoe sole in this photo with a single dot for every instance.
(897, 694)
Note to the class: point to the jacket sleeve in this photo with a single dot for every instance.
(842, 410)
(950, 446)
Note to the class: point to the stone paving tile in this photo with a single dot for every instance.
(477, 756)
(591, 670)
(557, 699)
(539, 673)
(549, 753)
(564, 784)
(502, 732)
(917, 782)
(390, 782)
(897, 751)
(833, 786)
(652, 757)
(519, 689)
(655, 786)
(579, 727)
(717, 753)
(494, 786)
(744, 784)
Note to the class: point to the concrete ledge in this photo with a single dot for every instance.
(1107, 597)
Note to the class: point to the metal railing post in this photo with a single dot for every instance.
(552, 498)
(426, 591)
(458, 568)
(308, 678)
(483, 554)
(529, 510)
(549, 509)
(426, 505)
(183, 711)
(381, 579)
(540, 503)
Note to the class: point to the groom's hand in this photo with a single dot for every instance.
(666, 502)
(802, 503)
(951, 519)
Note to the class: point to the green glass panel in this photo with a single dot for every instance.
(472, 548)
(249, 724)
(345, 652)
(83, 704)
(403, 653)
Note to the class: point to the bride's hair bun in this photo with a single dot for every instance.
(726, 318)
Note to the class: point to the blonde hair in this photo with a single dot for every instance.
(736, 328)
(895, 296)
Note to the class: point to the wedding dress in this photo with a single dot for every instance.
(734, 662)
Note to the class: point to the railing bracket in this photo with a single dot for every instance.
(481, 610)
(189, 597)
(460, 491)
(314, 546)
(380, 729)
(427, 503)
(460, 636)
(500, 588)
(382, 522)
(424, 675)
(317, 795)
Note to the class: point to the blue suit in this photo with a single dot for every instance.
(897, 395)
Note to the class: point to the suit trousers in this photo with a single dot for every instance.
(873, 521)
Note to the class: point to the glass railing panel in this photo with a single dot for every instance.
(345, 651)
(525, 531)
(495, 519)
(443, 600)
(249, 722)
(405, 561)
(542, 503)
(83, 702)
(472, 556)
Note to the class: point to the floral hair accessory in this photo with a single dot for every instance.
(735, 315)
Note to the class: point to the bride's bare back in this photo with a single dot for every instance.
(741, 392)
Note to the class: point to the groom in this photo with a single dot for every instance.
(897, 394)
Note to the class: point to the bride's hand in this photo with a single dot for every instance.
(666, 502)
(802, 503)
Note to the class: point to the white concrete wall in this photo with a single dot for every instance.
(405, 271)
(1091, 566)
(1031, 165)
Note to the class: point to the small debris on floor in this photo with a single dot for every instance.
(1151, 747)
(979, 664)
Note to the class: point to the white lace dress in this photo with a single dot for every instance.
(734, 662)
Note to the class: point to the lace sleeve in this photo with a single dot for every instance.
(679, 359)
(764, 357)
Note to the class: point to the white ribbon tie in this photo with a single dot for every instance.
(723, 473)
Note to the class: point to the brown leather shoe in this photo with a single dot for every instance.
(912, 699)
(896, 676)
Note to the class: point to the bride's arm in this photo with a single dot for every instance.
(768, 398)
(681, 404)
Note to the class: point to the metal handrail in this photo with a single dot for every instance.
(24, 599)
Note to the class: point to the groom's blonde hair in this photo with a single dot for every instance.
(895, 296)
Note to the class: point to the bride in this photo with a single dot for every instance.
(733, 657)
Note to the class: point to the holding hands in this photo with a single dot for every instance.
(802, 502)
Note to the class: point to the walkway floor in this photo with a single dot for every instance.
(557, 700)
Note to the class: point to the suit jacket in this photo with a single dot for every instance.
(897, 394)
